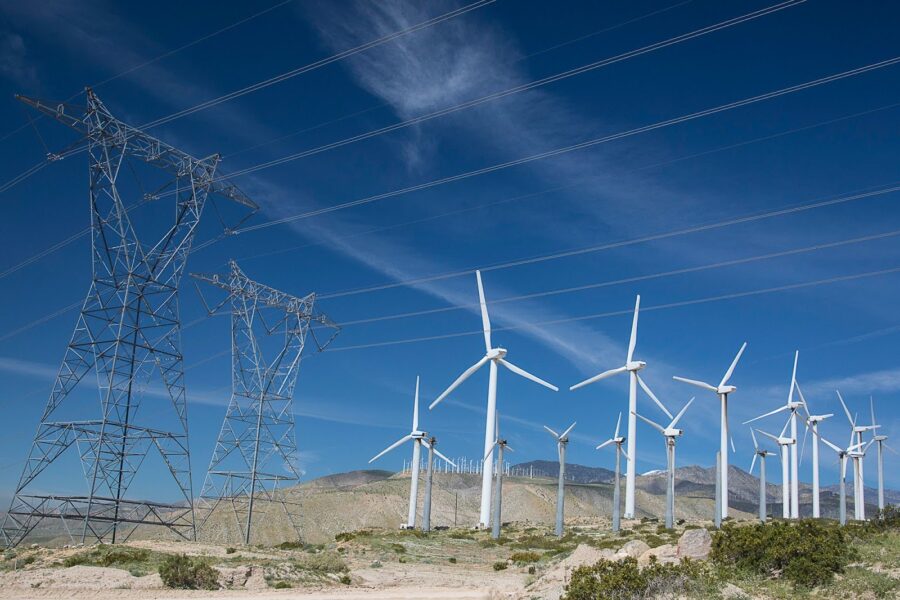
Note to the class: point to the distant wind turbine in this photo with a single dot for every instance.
(761, 454)
(631, 367)
(722, 390)
(670, 433)
(562, 440)
(499, 445)
(812, 424)
(783, 443)
(880, 440)
(856, 434)
(494, 356)
(617, 502)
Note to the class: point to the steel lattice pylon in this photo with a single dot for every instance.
(256, 449)
(128, 331)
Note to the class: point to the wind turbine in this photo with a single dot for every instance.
(842, 471)
(562, 440)
(880, 439)
(812, 424)
(618, 441)
(494, 356)
(429, 476)
(500, 445)
(783, 442)
(418, 439)
(792, 420)
(670, 433)
(856, 432)
(722, 390)
(631, 367)
(761, 454)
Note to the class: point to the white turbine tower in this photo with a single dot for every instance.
(618, 441)
(880, 440)
(500, 445)
(418, 439)
(856, 435)
(631, 367)
(842, 471)
(670, 433)
(494, 356)
(812, 424)
(793, 407)
(562, 440)
(761, 455)
(722, 390)
(783, 443)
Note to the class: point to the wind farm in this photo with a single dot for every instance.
(493, 199)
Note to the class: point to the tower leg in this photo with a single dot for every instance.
(484, 518)
(630, 468)
(561, 491)
(426, 507)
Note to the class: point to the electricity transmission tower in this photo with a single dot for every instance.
(256, 449)
(128, 333)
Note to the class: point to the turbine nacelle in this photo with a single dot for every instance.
(495, 353)
(672, 433)
(726, 389)
(635, 365)
(818, 418)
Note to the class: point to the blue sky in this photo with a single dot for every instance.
(830, 141)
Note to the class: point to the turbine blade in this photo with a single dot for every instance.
(652, 395)
(444, 458)
(618, 422)
(604, 444)
(768, 414)
(753, 435)
(485, 320)
(731, 439)
(830, 445)
(508, 448)
(889, 448)
(701, 384)
(596, 378)
(803, 446)
(783, 429)
(415, 426)
(466, 374)
(625, 454)
(844, 467)
(846, 410)
(793, 377)
(490, 451)
(753, 463)
(553, 433)
(769, 435)
(681, 413)
(569, 430)
(402, 440)
(872, 408)
(734, 363)
(632, 342)
(651, 423)
(526, 374)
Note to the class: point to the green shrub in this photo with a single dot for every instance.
(531, 570)
(230, 550)
(345, 579)
(500, 565)
(807, 553)
(525, 557)
(398, 548)
(452, 559)
(624, 580)
(181, 572)
(29, 559)
(344, 536)
(324, 562)
(282, 585)
(298, 545)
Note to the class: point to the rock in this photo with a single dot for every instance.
(664, 554)
(634, 549)
(732, 592)
(694, 544)
(233, 577)
(257, 579)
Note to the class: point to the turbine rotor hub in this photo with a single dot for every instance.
(635, 365)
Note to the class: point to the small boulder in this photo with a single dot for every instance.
(665, 554)
(732, 592)
(694, 544)
(634, 549)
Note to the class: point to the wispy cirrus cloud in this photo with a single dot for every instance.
(15, 63)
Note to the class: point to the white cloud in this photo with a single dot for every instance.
(15, 64)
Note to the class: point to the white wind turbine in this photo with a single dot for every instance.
(880, 440)
(793, 407)
(842, 471)
(494, 356)
(562, 440)
(761, 455)
(722, 390)
(856, 432)
(670, 433)
(618, 441)
(500, 446)
(783, 443)
(631, 367)
(418, 439)
(812, 424)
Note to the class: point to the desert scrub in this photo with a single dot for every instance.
(344, 536)
(624, 580)
(806, 553)
(323, 562)
(182, 572)
(500, 565)
(106, 556)
(524, 557)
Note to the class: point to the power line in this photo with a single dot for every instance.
(670, 305)
(634, 279)
(622, 243)
(571, 148)
(520, 88)
(164, 55)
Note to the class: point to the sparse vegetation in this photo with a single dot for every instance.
(500, 565)
(182, 572)
(524, 557)
(624, 580)
(108, 556)
(230, 550)
(323, 562)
